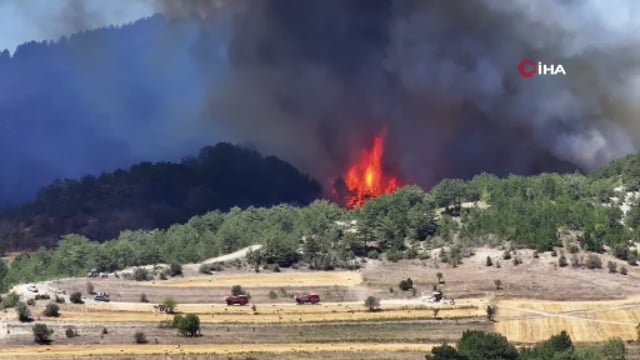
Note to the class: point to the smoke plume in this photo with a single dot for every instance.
(311, 80)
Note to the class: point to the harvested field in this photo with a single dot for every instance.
(535, 320)
(274, 313)
(253, 280)
(29, 352)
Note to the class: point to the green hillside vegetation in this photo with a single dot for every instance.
(528, 212)
(155, 195)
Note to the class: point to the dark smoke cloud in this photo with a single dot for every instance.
(310, 80)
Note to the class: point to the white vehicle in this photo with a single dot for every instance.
(32, 288)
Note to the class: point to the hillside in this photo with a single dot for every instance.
(154, 195)
(548, 212)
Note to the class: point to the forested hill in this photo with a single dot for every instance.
(155, 195)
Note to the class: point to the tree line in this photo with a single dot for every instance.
(529, 212)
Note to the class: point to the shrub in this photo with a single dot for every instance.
(188, 325)
(593, 262)
(573, 249)
(506, 255)
(623, 270)
(42, 297)
(394, 255)
(71, 332)
(10, 300)
(175, 269)
(31, 302)
(41, 333)
(105, 331)
(536, 254)
(60, 299)
(406, 285)
(276, 268)
(498, 284)
(163, 276)
(141, 274)
(273, 295)
(554, 253)
(562, 261)
(52, 310)
(24, 314)
(76, 298)
(372, 303)
(613, 268)
(170, 304)
(373, 254)
(238, 290)
(143, 298)
(489, 262)
(90, 288)
(204, 269)
(140, 337)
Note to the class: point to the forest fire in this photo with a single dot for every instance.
(366, 178)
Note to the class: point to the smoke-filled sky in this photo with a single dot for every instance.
(310, 81)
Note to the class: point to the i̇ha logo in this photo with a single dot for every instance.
(527, 68)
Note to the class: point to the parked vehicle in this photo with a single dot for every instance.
(102, 297)
(309, 298)
(32, 288)
(236, 299)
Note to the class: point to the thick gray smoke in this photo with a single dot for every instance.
(311, 80)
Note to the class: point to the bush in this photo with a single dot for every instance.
(238, 290)
(76, 298)
(573, 249)
(140, 337)
(372, 303)
(406, 285)
(204, 269)
(10, 300)
(41, 333)
(52, 310)
(623, 270)
(273, 295)
(141, 274)
(143, 298)
(105, 331)
(24, 314)
(42, 297)
(276, 268)
(613, 268)
(373, 254)
(394, 255)
(489, 262)
(593, 262)
(170, 304)
(175, 269)
(71, 332)
(31, 302)
(60, 299)
(506, 255)
(188, 325)
(562, 261)
(90, 288)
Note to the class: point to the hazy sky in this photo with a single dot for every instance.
(26, 20)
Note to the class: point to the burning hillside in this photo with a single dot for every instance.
(366, 178)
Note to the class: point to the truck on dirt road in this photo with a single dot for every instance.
(102, 297)
(236, 299)
(308, 298)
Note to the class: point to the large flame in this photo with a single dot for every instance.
(366, 178)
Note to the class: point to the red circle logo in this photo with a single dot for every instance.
(522, 68)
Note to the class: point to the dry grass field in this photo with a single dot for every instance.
(268, 280)
(528, 320)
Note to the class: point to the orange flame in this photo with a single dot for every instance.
(366, 178)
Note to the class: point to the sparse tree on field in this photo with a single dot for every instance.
(237, 290)
(52, 310)
(24, 314)
(143, 298)
(498, 284)
(435, 313)
(169, 304)
(188, 325)
(41, 333)
(489, 262)
(497, 264)
(562, 261)
(140, 338)
(76, 298)
(439, 276)
(372, 303)
(491, 312)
